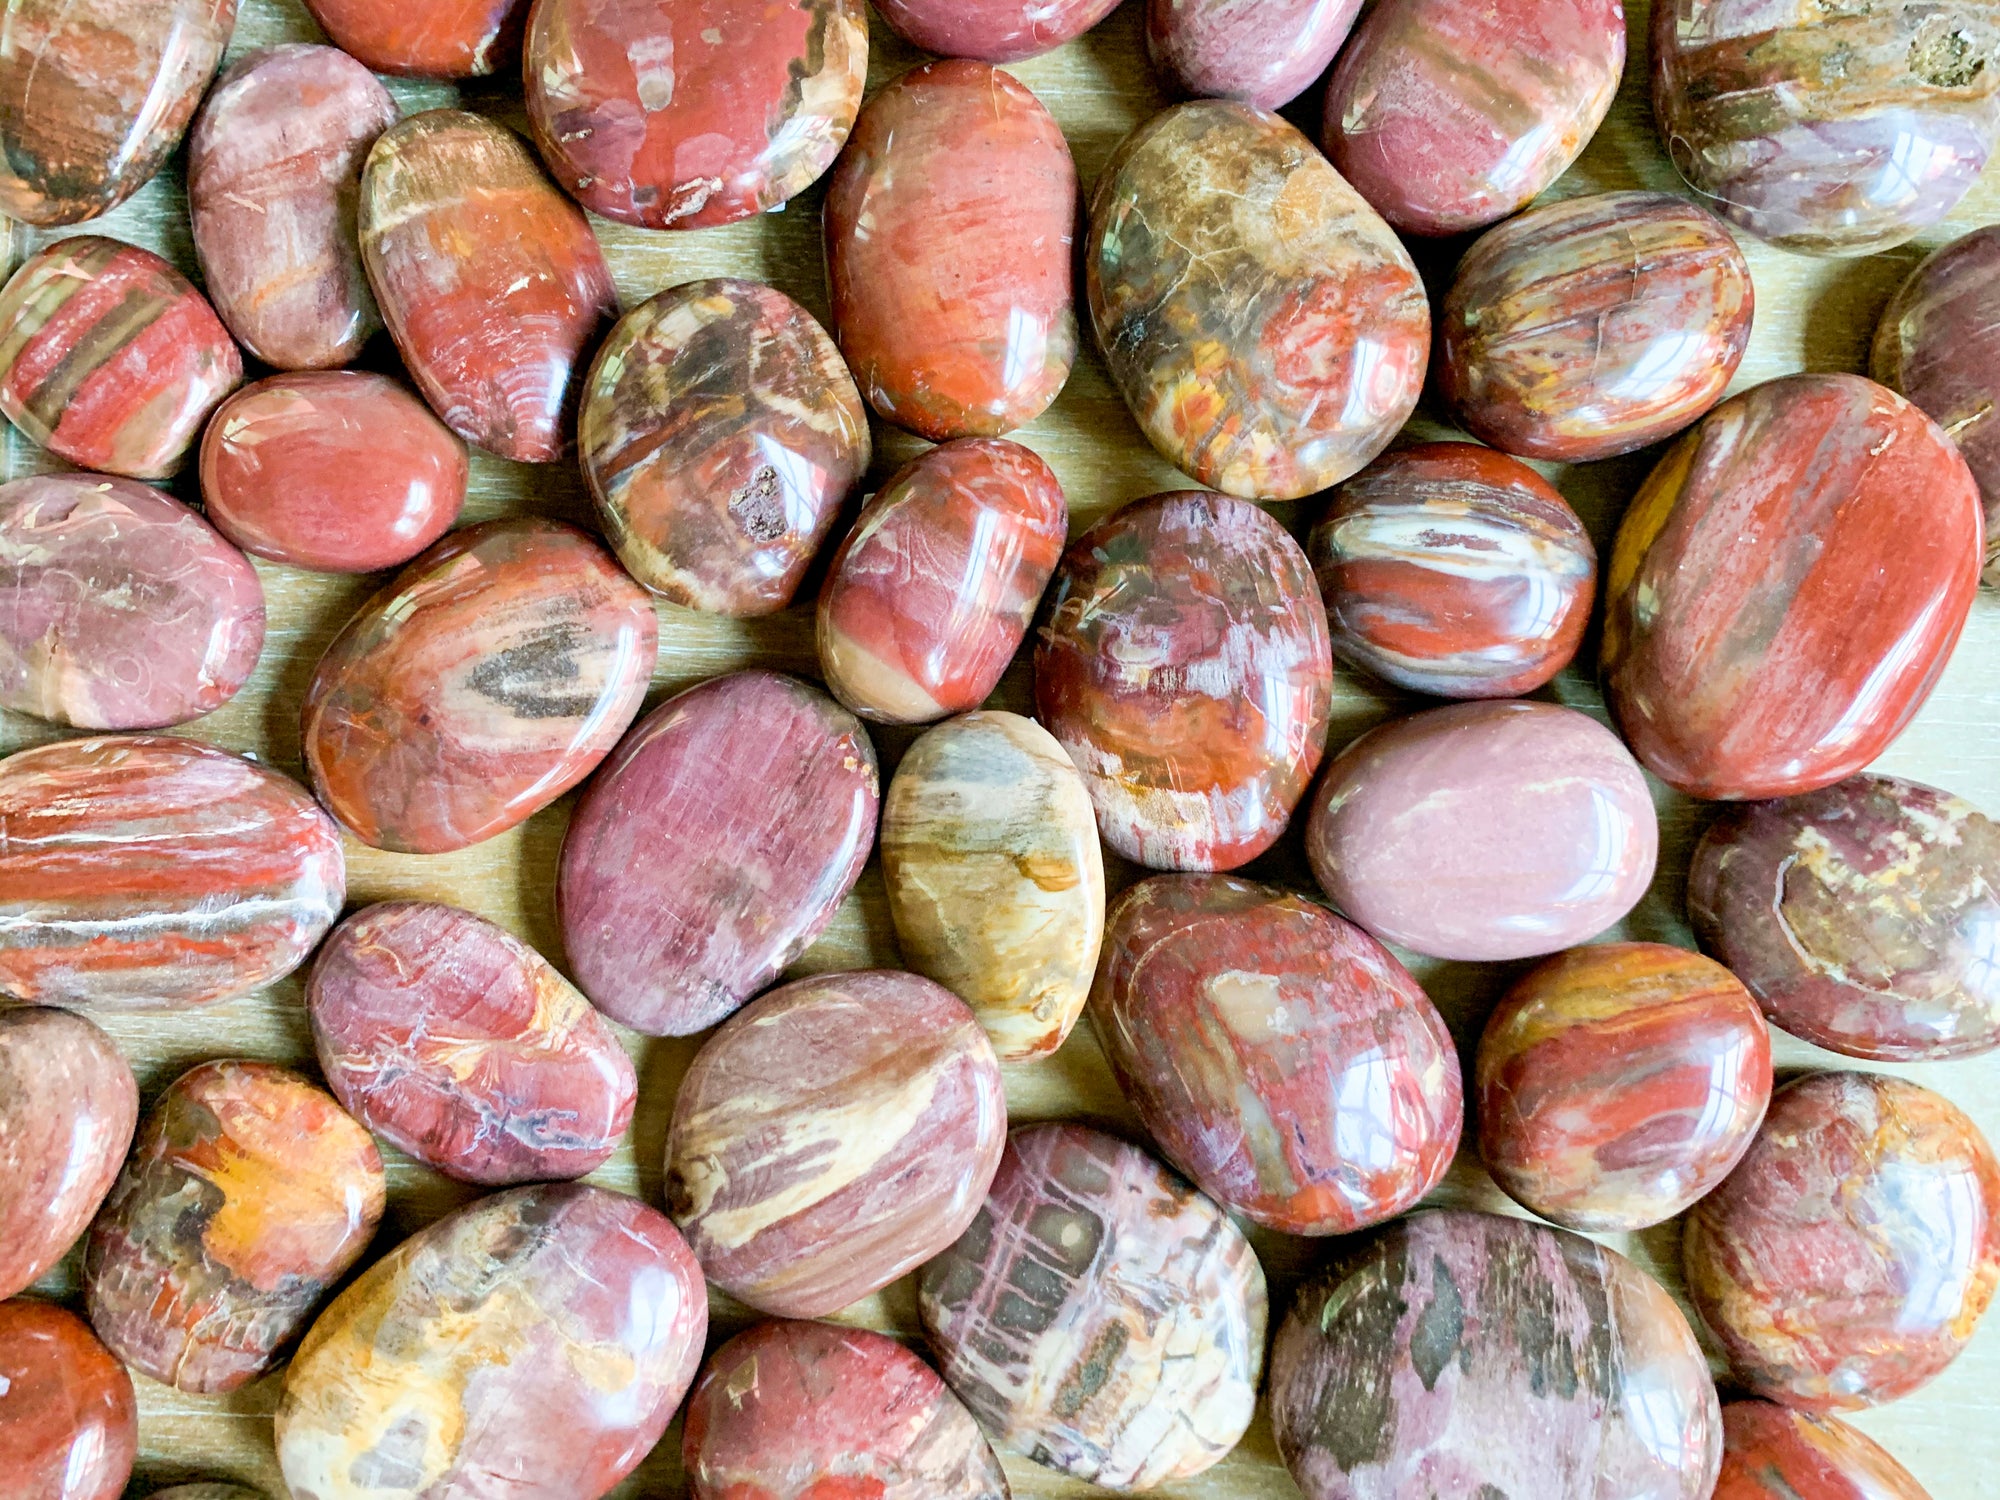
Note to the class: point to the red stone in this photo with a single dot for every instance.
(1281, 1057)
(457, 1043)
(1262, 52)
(491, 282)
(110, 358)
(697, 113)
(995, 31)
(1736, 658)
(488, 679)
(1771, 1452)
(120, 608)
(69, 1427)
(435, 39)
(1186, 670)
(777, 785)
(932, 593)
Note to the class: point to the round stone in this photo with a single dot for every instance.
(995, 31)
(1264, 52)
(1771, 1452)
(69, 1426)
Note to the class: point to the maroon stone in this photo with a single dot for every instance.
(69, 1428)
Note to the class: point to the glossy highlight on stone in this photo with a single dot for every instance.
(1448, 568)
(1262, 52)
(69, 1426)
(1770, 1452)
(1743, 668)
(274, 185)
(339, 471)
(120, 608)
(144, 872)
(433, 39)
(1100, 1316)
(777, 786)
(1497, 1356)
(1267, 329)
(491, 282)
(488, 679)
(1484, 831)
(1280, 1056)
(538, 1339)
(1849, 1257)
(460, 1045)
(110, 358)
(949, 226)
(932, 592)
(248, 1195)
(695, 113)
(995, 31)
(1619, 1083)
(1594, 326)
(720, 434)
(1185, 667)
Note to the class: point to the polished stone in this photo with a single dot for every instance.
(433, 39)
(206, 1491)
(69, 1426)
(1770, 1452)
(1262, 52)
(995, 31)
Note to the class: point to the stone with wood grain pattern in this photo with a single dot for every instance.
(1261, 52)
(1771, 1452)
(69, 1426)
(995, 31)
(434, 39)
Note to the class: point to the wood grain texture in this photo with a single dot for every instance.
(1812, 315)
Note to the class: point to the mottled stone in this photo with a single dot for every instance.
(949, 226)
(696, 113)
(931, 594)
(110, 358)
(339, 471)
(1100, 1316)
(720, 434)
(68, 1105)
(1849, 1257)
(776, 785)
(1593, 326)
(491, 282)
(1734, 658)
(460, 1045)
(488, 679)
(433, 39)
(274, 186)
(1771, 1452)
(1448, 568)
(248, 1195)
(1262, 52)
(1185, 668)
(537, 1340)
(1280, 1056)
(146, 872)
(120, 608)
(994, 876)
(1267, 329)
(995, 31)
(1485, 831)
(69, 1427)
(1474, 1355)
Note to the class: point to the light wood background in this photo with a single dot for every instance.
(1811, 315)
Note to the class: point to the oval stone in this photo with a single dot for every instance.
(68, 1105)
(995, 31)
(1450, 569)
(1521, 1360)
(144, 872)
(94, 95)
(69, 1426)
(578, 1308)
(949, 226)
(1864, 917)
(248, 1195)
(932, 593)
(1620, 1082)
(1484, 831)
(339, 471)
(777, 785)
(491, 282)
(1451, 114)
(436, 39)
(1100, 1316)
(834, 1134)
(1281, 1057)
(120, 608)
(1849, 1257)
(488, 679)
(110, 358)
(1739, 669)
(1262, 52)
(810, 1411)
(460, 1045)
(720, 435)
(1592, 326)
(1770, 1452)
(693, 114)
(995, 877)
(1267, 329)
(1185, 668)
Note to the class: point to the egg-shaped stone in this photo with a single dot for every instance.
(1771, 1452)
(1262, 52)
(995, 31)
(69, 1424)
(436, 39)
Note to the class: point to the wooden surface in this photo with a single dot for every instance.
(1812, 315)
